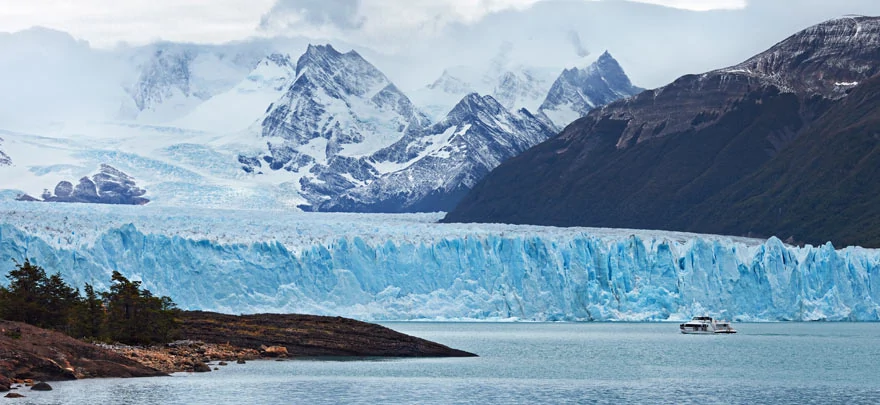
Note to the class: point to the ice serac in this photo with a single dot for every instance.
(380, 267)
(338, 111)
(577, 91)
(431, 169)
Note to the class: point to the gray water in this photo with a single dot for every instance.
(772, 363)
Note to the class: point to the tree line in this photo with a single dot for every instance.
(127, 313)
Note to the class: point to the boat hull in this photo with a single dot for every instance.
(708, 332)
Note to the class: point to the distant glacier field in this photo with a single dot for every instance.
(407, 267)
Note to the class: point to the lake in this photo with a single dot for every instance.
(551, 363)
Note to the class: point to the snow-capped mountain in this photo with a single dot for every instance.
(339, 110)
(430, 170)
(354, 142)
(286, 135)
(173, 79)
(314, 134)
(246, 103)
(577, 91)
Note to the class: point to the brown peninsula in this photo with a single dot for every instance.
(31, 353)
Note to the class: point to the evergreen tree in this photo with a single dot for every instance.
(60, 301)
(90, 316)
(127, 313)
(24, 299)
(135, 316)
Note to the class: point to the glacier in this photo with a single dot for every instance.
(408, 267)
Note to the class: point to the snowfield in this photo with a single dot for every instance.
(406, 267)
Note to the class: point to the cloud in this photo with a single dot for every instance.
(575, 39)
(698, 5)
(387, 21)
(107, 22)
(289, 14)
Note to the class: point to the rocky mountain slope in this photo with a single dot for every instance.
(649, 161)
(824, 186)
(353, 142)
(431, 169)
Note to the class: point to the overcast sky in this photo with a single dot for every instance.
(107, 22)
(655, 40)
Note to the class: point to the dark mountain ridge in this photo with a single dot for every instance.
(654, 161)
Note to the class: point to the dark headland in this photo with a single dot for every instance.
(28, 353)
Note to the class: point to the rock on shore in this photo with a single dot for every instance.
(28, 352)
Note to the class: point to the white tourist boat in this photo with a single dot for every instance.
(705, 325)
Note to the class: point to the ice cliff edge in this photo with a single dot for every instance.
(404, 267)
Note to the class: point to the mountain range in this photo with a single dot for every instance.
(242, 126)
(782, 144)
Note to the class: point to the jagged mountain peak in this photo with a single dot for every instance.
(606, 63)
(579, 90)
(474, 101)
(336, 72)
(337, 111)
(316, 54)
(326, 56)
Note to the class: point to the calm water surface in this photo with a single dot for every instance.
(773, 363)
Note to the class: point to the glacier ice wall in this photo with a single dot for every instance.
(383, 267)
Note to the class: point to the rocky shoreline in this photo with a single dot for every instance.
(29, 354)
(185, 355)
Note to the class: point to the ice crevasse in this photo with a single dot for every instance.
(405, 267)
